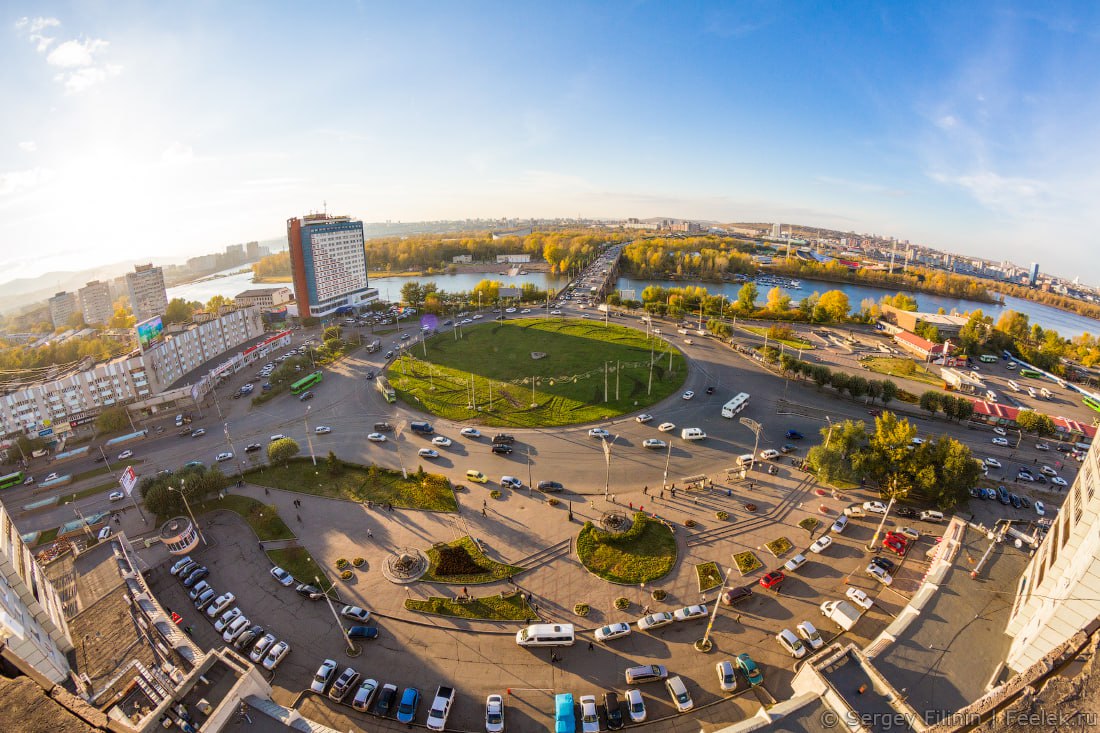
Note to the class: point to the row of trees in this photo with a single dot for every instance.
(705, 258)
(162, 494)
(1055, 300)
(917, 279)
(942, 470)
(829, 307)
(883, 390)
(429, 298)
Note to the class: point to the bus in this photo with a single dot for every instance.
(988, 358)
(1091, 403)
(305, 383)
(734, 406)
(1030, 373)
(384, 388)
(12, 479)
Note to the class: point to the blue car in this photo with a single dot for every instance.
(363, 632)
(794, 435)
(406, 710)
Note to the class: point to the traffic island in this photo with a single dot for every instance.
(463, 561)
(645, 552)
(500, 607)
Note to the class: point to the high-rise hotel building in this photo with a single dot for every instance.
(328, 264)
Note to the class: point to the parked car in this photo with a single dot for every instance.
(386, 699)
(590, 719)
(471, 433)
(772, 580)
(322, 430)
(644, 417)
(736, 595)
(810, 635)
(227, 618)
(791, 643)
(749, 669)
(821, 544)
(688, 613)
(276, 655)
(655, 621)
(727, 676)
(794, 435)
(324, 675)
(612, 631)
(355, 613)
(285, 579)
(252, 447)
(635, 706)
(311, 592)
(260, 648)
(859, 597)
(795, 563)
(194, 576)
(666, 427)
(427, 453)
(655, 443)
(597, 433)
(363, 696)
(550, 486)
(874, 507)
(494, 714)
(613, 711)
(907, 512)
(406, 709)
(883, 562)
(222, 457)
(878, 573)
(220, 604)
(116, 496)
(363, 632)
(839, 525)
(501, 449)
(688, 395)
(343, 684)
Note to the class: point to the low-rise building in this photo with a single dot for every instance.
(921, 347)
(519, 259)
(946, 325)
(264, 297)
(462, 259)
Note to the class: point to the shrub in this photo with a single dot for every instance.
(552, 501)
(659, 595)
(690, 523)
(341, 564)
(346, 575)
(722, 515)
(358, 561)
(747, 562)
(779, 546)
(581, 609)
(456, 560)
(622, 603)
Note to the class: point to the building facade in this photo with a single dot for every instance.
(95, 303)
(264, 297)
(1033, 274)
(520, 259)
(63, 306)
(148, 297)
(328, 264)
(189, 348)
(1059, 592)
(32, 618)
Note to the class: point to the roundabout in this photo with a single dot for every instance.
(537, 373)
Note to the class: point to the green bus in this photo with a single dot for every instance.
(1091, 403)
(12, 479)
(1030, 373)
(384, 388)
(305, 383)
(988, 358)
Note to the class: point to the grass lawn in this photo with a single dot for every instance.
(263, 519)
(901, 367)
(493, 608)
(794, 343)
(461, 561)
(645, 552)
(747, 562)
(709, 576)
(359, 483)
(84, 493)
(779, 546)
(299, 563)
(809, 524)
(568, 381)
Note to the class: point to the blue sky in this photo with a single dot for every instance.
(171, 129)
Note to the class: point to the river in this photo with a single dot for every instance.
(1065, 323)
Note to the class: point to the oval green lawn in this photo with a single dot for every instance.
(646, 552)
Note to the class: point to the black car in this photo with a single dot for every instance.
(311, 592)
(883, 562)
(307, 395)
(614, 711)
(386, 699)
(252, 447)
(504, 438)
(1026, 502)
(736, 595)
(1039, 479)
(502, 448)
(1016, 503)
(382, 427)
(370, 375)
(550, 486)
(195, 576)
(389, 355)
(710, 390)
(907, 512)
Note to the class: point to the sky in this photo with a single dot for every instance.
(170, 129)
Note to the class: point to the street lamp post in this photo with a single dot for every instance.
(309, 436)
(607, 461)
(668, 459)
(190, 513)
(755, 427)
(229, 441)
(704, 644)
(882, 523)
(339, 625)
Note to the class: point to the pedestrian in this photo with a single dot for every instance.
(645, 490)
(266, 491)
(662, 494)
(631, 506)
(484, 503)
(369, 532)
(188, 630)
(673, 490)
(591, 646)
(641, 508)
(536, 607)
(299, 517)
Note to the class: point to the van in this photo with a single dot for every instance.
(646, 673)
(546, 635)
(931, 515)
(424, 428)
(677, 690)
(745, 461)
(692, 434)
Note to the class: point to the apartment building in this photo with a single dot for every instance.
(148, 296)
(63, 306)
(95, 303)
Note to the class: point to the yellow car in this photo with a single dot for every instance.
(477, 477)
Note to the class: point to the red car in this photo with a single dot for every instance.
(898, 548)
(772, 579)
(897, 537)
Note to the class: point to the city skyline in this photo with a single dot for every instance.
(170, 130)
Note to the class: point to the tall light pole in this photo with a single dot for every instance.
(830, 435)
(229, 440)
(755, 427)
(668, 459)
(889, 506)
(339, 625)
(309, 436)
(607, 462)
(190, 513)
(704, 644)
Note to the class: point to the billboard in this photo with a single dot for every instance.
(128, 480)
(150, 332)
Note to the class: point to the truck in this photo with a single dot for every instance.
(441, 708)
(842, 613)
(374, 346)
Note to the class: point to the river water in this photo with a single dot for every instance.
(1065, 323)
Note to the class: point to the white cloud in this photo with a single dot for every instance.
(178, 154)
(33, 28)
(1005, 194)
(81, 79)
(28, 146)
(13, 182)
(76, 53)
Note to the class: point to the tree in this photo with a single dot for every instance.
(217, 302)
(412, 294)
(333, 463)
(858, 386)
(122, 318)
(874, 389)
(178, 311)
(778, 300)
(974, 333)
(839, 381)
(281, 451)
(949, 406)
(332, 332)
(1014, 325)
(930, 401)
(1035, 422)
(112, 420)
(889, 454)
(746, 297)
(901, 301)
(964, 408)
(820, 374)
(832, 306)
(889, 390)
(956, 472)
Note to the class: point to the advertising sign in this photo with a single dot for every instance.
(128, 480)
(150, 332)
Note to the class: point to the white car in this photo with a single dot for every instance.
(769, 454)
(859, 597)
(654, 443)
(509, 310)
(235, 628)
(261, 647)
(125, 454)
(635, 705)
(1000, 431)
(688, 395)
(1042, 446)
(227, 618)
(874, 507)
(908, 532)
(473, 433)
(644, 418)
(220, 604)
(666, 427)
(494, 714)
(1003, 442)
(655, 621)
(1047, 470)
(525, 310)
(791, 643)
(1059, 481)
(1040, 509)
(511, 482)
(427, 453)
(727, 676)
(324, 676)
(687, 613)
(598, 433)
(879, 574)
(116, 496)
(322, 430)
(612, 631)
(992, 462)
(376, 438)
(839, 525)
(590, 719)
(810, 635)
(441, 441)
(50, 476)
(285, 579)
(221, 457)
(795, 563)
(355, 613)
(276, 436)
(555, 313)
(276, 655)
(821, 544)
